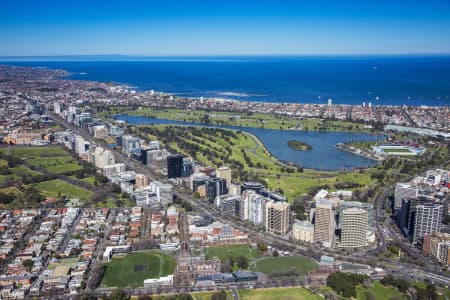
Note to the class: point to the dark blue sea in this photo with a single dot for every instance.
(386, 80)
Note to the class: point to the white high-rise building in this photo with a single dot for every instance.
(130, 143)
(325, 224)
(428, 219)
(252, 207)
(404, 191)
(256, 209)
(80, 145)
(354, 227)
(303, 231)
(224, 173)
(103, 158)
(57, 107)
(113, 169)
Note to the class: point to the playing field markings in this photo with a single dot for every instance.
(161, 264)
(140, 268)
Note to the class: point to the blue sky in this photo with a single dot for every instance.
(229, 27)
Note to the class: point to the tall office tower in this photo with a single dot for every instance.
(224, 173)
(256, 209)
(428, 219)
(235, 189)
(244, 206)
(404, 191)
(354, 227)
(255, 186)
(141, 181)
(365, 206)
(103, 158)
(188, 167)
(130, 143)
(215, 187)
(324, 225)
(303, 231)
(80, 145)
(252, 207)
(174, 166)
(277, 217)
(144, 151)
(407, 216)
(154, 145)
(57, 107)
(330, 103)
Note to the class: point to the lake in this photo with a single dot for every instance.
(323, 156)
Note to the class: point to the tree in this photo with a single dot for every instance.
(28, 264)
(100, 178)
(118, 294)
(345, 284)
(370, 295)
(242, 262)
(85, 296)
(262, 247)
(184, 297)
(221, 295)
(275, 254)
(427, 293)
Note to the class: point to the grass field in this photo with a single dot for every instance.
(57, 165)
(64, 262)
(90, 179)
(54, 159)
(31, 152)
(257, 120)
(208, 295)
(224, 252)
(378, 290)
(132, 269)
(55, 188)
(278, 294)
(269, 265)
(397, 150)
(17, 174)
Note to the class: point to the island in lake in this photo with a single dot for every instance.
(299, 145)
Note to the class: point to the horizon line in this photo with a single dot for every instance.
(222, 55)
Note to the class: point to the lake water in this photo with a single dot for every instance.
(323, 156)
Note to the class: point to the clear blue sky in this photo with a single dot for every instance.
(223, 27)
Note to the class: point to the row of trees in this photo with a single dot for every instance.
(227, 265)
(345, 284)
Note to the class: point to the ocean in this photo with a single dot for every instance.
(381, 80)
